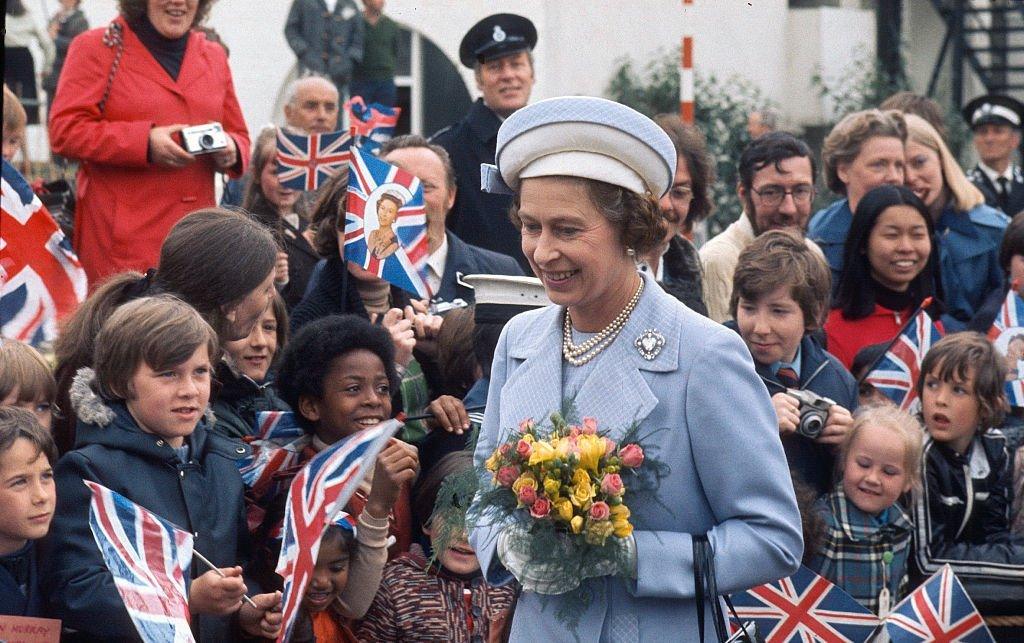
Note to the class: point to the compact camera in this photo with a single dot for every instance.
(813, 412)
(204, 139)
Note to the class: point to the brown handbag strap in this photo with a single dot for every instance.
(112, 37)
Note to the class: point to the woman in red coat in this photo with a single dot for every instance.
(135, 180)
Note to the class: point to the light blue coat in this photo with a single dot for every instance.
(728, 475)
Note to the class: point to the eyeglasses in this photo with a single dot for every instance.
(773, 195)
(681, 194)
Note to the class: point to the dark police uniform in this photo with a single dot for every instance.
(479, 218)
(1002, 110)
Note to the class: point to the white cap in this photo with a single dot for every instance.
(500, 297)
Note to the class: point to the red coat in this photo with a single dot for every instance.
(847, 336)
(126, 205)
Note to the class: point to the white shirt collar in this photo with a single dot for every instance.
(995, 176)
(436, 262)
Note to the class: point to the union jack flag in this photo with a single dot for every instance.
(1010, 321)
(939, 610)
(278, 426)
(149, 559)
(805, 608)
(317, 493)
(373, 124)
(41, 280)
(260, 470)
(896, 373)
(306, 162)
(371, 181)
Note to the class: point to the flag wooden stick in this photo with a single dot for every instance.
(217, 571)
(924, 305)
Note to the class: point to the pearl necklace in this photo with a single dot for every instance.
(578, 355)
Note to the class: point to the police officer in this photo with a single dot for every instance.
(498, 50)
(996, 122)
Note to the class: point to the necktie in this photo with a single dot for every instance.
(787, 377)
(1004, 193)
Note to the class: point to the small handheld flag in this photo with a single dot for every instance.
(1007, 334)
(149, 559)
(939, 610)
(896, 372)
(373, 124)
(279, 427)
(41, 280)
(386, 223)
(306, 162)
(805, 607)
(316, 496)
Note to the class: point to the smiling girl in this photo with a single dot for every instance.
(889, 268)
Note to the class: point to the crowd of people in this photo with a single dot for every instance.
(746, 358)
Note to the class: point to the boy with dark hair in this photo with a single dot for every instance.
(779, 297)
(27, 495)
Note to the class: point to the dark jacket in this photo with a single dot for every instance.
(330, 291)
(13, 601)
(1015, 200)
(203, 496)
(478, 217)
(961, 518)
(969, 260)
(824, 375)
(682, 275)
(326, 42)
(72, 24)
(465, 259)
(239, 401)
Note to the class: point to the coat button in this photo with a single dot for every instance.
(181, 473)
(239, 450)
(159, 443)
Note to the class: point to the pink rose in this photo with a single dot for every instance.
(632, 456)
(527, 495)
(526, 425)
(505, 449)
(523, 449)
(507, 475)
(574, 431)
(600, 511)
(611, 484)
(540, 508)
(589, 426)
(609, 446)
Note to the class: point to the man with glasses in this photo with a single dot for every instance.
(776, 188)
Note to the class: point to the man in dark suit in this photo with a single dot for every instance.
(996, 121)
(450, 257)
(498, 50)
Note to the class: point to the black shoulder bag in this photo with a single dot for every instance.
(705, 586)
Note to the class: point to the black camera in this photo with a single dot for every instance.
(204, 139)
(813, 412)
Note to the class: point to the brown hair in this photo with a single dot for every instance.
(135, 10)
(911, 103)
(844, 142)
(953, 356)
(692, 148)
(15, 117)
(455, 355)
(253, 200)
(18, 423)
(899, 422)
(637, 217)
(160, 331)
(781, 258)
(328, 215)
(24, 369)
(407, 141)
(427, 488)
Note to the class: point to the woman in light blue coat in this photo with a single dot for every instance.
(586, 174)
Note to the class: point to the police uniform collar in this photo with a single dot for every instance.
(483, 121)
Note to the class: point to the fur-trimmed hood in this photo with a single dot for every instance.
(92, 408)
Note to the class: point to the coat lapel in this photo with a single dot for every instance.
(141, 56)
(534, 389)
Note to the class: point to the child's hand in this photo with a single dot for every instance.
(397, 464)
(402, 335)
(837, 425)
(787, 409)
(264, 620)
(281, 268)
(449, 414)
(213, 594)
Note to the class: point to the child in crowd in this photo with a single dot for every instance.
(962, 513)
(868, 534)
(26, 380)
(446, 599)
(779, 296)
(338, 375)
(15, 120)
(866, 358)
(244, 373)
(318, 621)
(889, 268)
(143, 431)
(27, 495)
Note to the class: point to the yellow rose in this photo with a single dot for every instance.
(552, 487)
(492, 462)
(591, 448)
(576, 524)
(542, 452)
(527, 438)
(620, 512)
(581, 495)
(598, 531)
(622, 528)
(580, 476)
(562, 448)
(525, 480)
(563, 508)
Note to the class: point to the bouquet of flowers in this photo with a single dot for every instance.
(564, 487)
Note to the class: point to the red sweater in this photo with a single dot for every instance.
(847, 336)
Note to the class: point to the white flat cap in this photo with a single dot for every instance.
(586, 137)
(501, 297)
